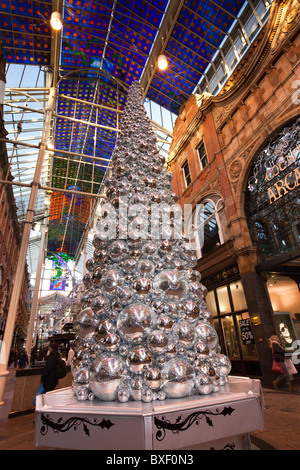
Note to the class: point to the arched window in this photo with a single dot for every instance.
(272, 197)
(205, 229)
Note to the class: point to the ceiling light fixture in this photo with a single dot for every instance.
(162, 62)
(56, 21)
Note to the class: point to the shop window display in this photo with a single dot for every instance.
(228, 305)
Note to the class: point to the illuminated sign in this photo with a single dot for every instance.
(289, 181)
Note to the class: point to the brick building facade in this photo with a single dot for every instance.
(216, 144)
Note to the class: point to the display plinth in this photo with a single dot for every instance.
(216, 421)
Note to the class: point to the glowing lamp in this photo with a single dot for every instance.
(162, 62)
(56, 21)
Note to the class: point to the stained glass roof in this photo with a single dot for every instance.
(103, 47)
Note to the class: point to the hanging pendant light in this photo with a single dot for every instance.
(162, 62)
(56, 21)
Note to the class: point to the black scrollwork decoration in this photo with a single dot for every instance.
(71, 423)
(163, 424)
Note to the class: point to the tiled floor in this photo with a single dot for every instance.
(281, 418)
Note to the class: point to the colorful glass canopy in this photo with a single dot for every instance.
(104, 46)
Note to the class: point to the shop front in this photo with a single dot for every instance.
(226, 301)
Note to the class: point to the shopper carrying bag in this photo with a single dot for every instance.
(280, 365)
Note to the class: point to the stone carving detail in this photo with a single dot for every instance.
(235, 169)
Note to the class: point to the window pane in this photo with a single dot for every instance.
(230, 337)
(211, 303)
(237, 294)
(223, 299)
(246, 335)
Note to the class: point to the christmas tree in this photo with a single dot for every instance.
(144, 331)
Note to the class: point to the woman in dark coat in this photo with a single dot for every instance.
(49, 379)
(279, 356)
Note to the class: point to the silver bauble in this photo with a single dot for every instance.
(142, 286)
(124, 295)
(178, 378)
(191, 310)
(157, 342)
(85, 324)
(153, 378)
(106, 376)
(137, 385)
(196, 290)
(138, 358)
(129, 265)
(104, 327)
(146, 267)
(185, 333)
(99, 304)
(118, 250)
(111, 280)
(201, 350)
(134, 322)
(223, 365)
(149, 249)
(203, 384)
(164, 322)
(110, 342)
(171, 283)
(207, 334)
(123, 395)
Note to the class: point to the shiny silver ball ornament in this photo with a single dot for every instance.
(147, 395)
(207, 317)
(135, 322)
(178, 378)
(171, 283)
(223, 365)
(149, 249)
(99, 304)
(146, 267)
(157, 342)
(164, 322)
(123, 395)
(153, 378)
(207, 334)
(185, 333)
(196, 290)
(207, 369)
(201, 350)
(142, 286)
(129, 265)
(137, 385)
(138, 358)
(118, 251)
(124, 295)
(82, 393)
(191, 310)
(106, 377)
(110, 342)
(85, 324)
(203, 384)
(104, 327)
(111, 280)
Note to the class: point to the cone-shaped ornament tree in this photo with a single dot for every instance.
(143, 332)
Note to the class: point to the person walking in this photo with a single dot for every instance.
(23, 361)
(285, 376)
(49, 378)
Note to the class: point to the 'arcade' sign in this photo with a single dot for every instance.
(289, 181)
